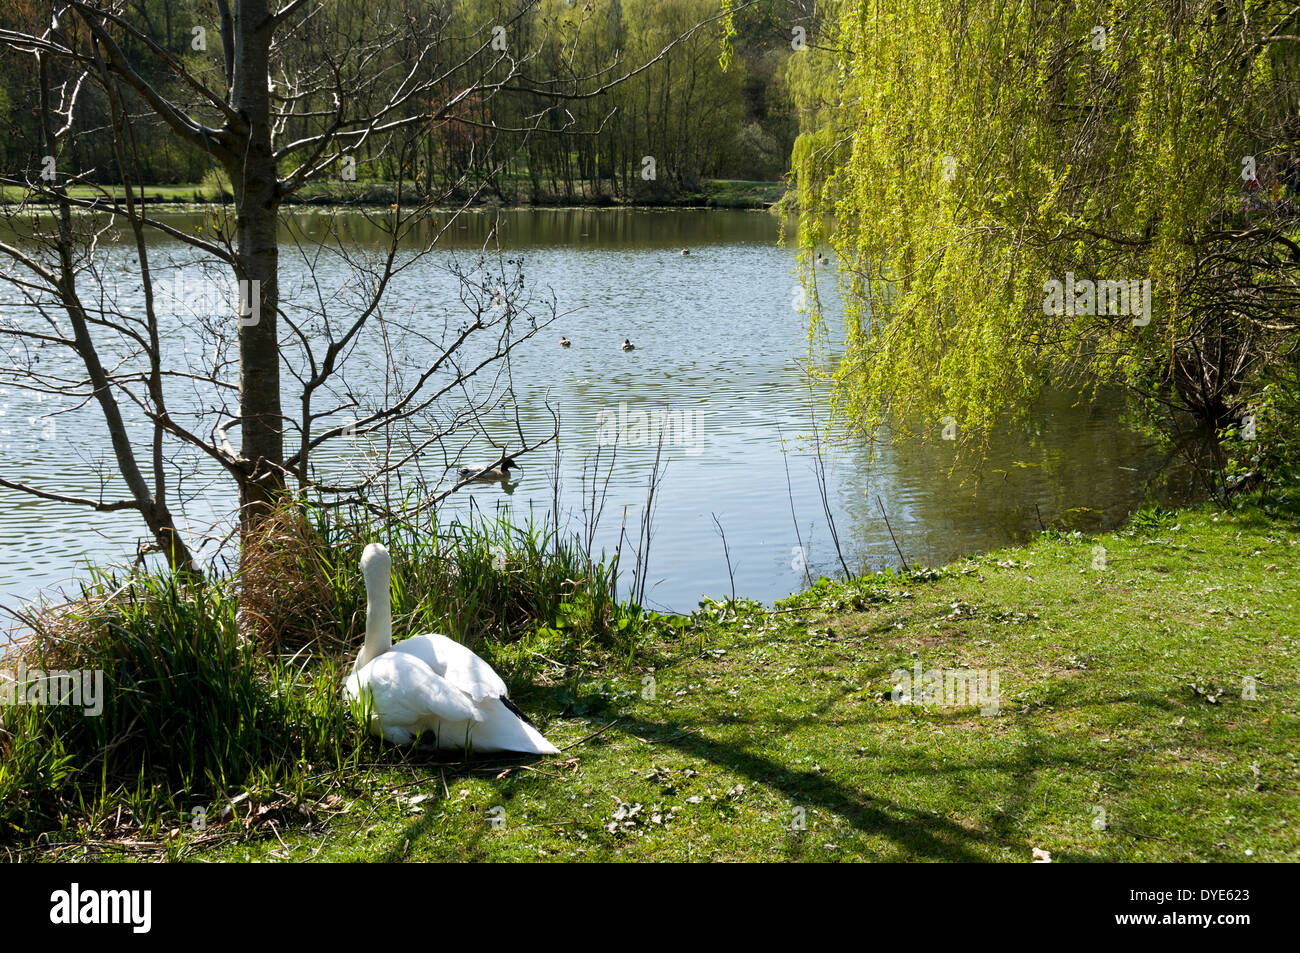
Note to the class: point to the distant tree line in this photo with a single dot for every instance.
(681, 120)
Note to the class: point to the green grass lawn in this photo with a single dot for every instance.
(156, 193)
(733, 193)
(1126, 727)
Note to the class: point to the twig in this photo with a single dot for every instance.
(593, 734)
(659, 741)
(891, 534)
(820, 467)
(726, 551)
(789, 492)
(642, 571)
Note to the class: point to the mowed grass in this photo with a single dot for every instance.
(734, 193)
(157, 193)
(1122, 732)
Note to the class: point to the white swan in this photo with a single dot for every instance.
(429, 683)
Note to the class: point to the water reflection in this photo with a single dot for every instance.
(718, 347)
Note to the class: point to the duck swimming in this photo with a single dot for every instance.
(565, 342)
(628, 345)
(501, 472)
(686, 251)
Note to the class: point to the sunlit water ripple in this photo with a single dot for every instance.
(716, 335)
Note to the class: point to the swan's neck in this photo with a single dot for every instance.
(379, 621)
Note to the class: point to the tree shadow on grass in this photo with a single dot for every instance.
(448, 766)
(918, 833)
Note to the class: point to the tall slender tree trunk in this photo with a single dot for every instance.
(254, 180)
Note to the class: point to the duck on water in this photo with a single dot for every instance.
(499, 472)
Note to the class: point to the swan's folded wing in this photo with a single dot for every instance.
(457, 664)
(406, 691)
(504, 730)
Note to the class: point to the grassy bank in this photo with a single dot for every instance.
(714, 193)
(227, 689)
(1147, 711)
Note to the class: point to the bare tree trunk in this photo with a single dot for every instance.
(255, 182)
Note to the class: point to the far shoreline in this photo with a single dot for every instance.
(726, 194)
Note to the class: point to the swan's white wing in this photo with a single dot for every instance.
(503, 730)
(457, 664)
(407, 693)
(408, 696)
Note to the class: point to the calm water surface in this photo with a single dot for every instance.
(719, 349)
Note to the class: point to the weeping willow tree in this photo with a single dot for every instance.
(1001, 180)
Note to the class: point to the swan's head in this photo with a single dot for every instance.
(375, 566)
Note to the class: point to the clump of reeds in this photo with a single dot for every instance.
(288, 585)
(480, 581)
(217, 686)
(188, 710)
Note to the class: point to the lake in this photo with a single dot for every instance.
(719, 361)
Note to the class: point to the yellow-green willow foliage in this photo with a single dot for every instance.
(960, 154)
